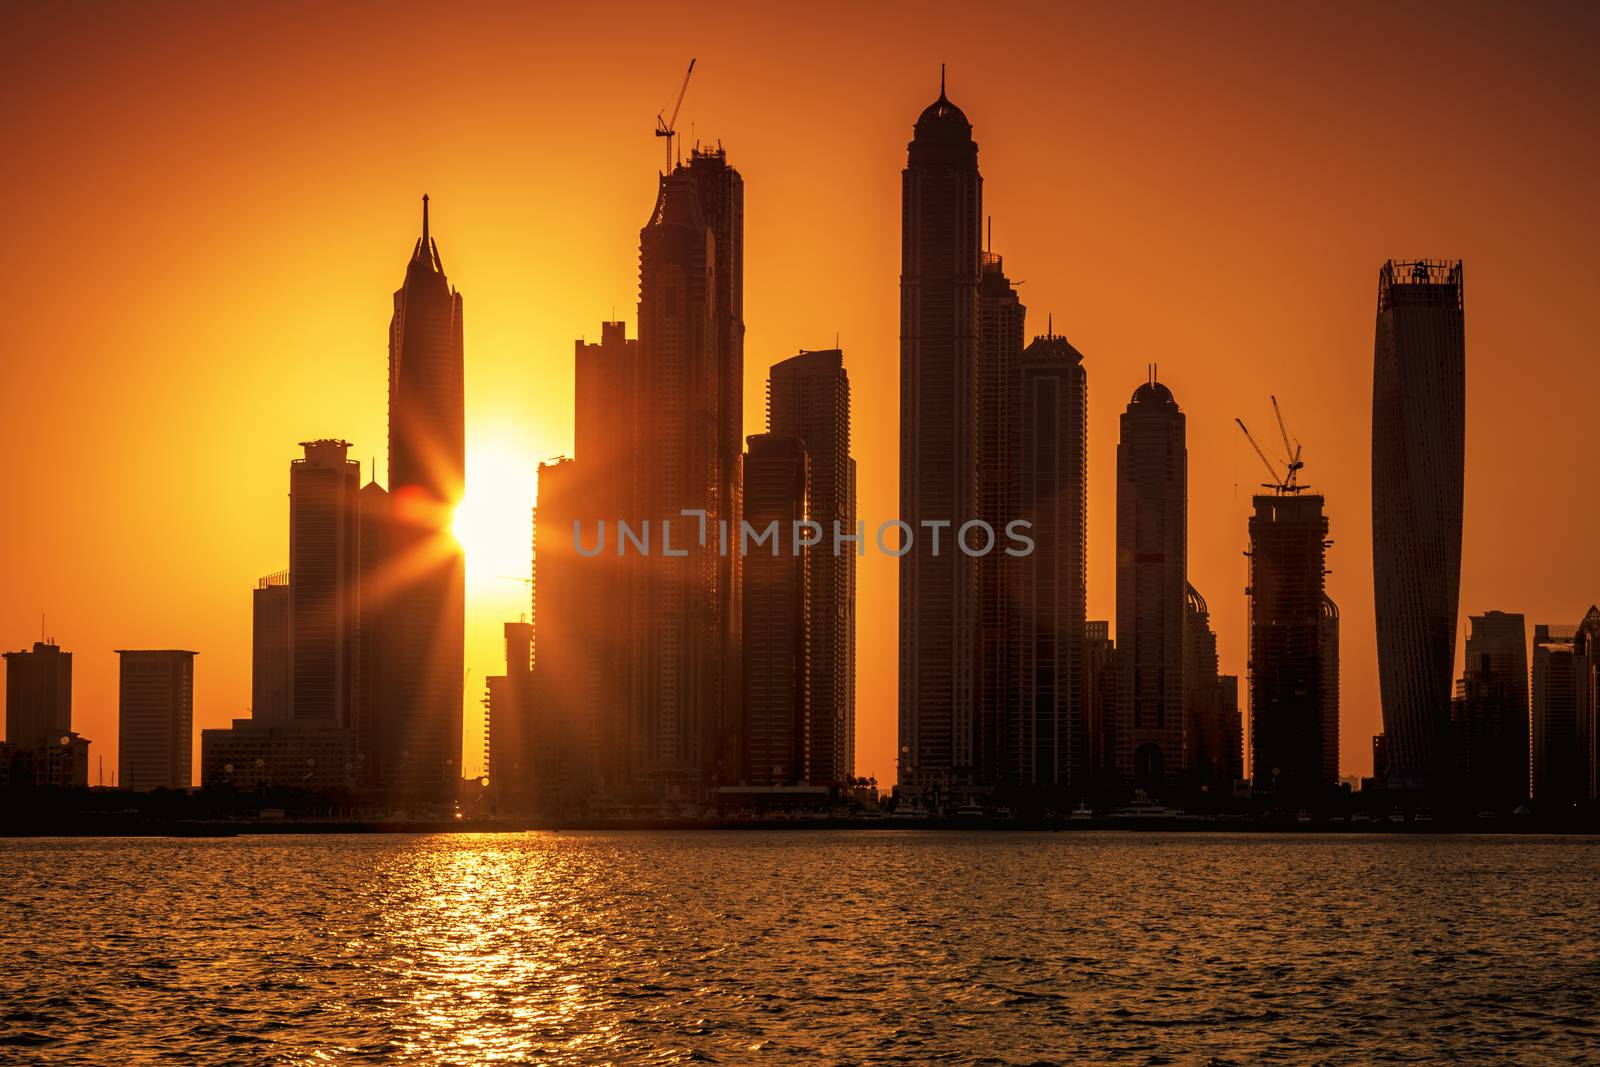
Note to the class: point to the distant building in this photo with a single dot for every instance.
(1211, 705)
(940, 275)
(1100, 657)
(1493, 702)
(324, 582)
(1418, 449)
(1046, 690)
(253, 754)
(567, 734)
(509, 725)
(269, 649)
(155, 719)
(777, 616)
(1294, 702)
(38, 695)
(378, 581)
(808, 396)
(1566, 660)
(418, 734)
(1152, 546)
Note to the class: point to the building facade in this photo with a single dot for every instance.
(1493, 703)
(324, 582)
(38, 695)
(1566, 665)
(1418, 452)
(155, 719)
(1151, 568)
(941, 209)
(808, 397)
(269, 649)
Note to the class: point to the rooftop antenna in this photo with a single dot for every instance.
(424, 222)
(941, 79)
(667, 127)
(988, 241)
(1050, 325)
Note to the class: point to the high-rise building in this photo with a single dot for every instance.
(510, 707)
(269, 649)
(941, 205)
(777, 603)
(1043, 698)
(1494, 710)
(808, 397)
(1100, 655)
(609, 450)
(566, 620)
(1210, 701)
(378, 581)
(686, 630)
(155, 718)
(38, 695)
(1152, 547)
(1418, 449)
(324, 582)
(1566, 663)
(1294, 717)
(1000, 715)
(423, 614)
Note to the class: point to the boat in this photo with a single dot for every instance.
(1145, 809)
(1082, 812)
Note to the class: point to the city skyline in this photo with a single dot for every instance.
(191, 604)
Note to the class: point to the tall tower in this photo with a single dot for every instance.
(1494, 695)
(425, 615)
(269, 649)
(1418, 448)
(777, 605)
(38, 695)
(682, 735)
(1294, 718)
(941, 205)
(808, 397)
(1000, 315)
(1152, 547)
(1046, 687)
(324, 582)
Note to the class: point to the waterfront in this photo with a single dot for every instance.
(897, 947)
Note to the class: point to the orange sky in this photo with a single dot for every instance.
(207, 210)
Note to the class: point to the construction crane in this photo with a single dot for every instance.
(668, 127)
(1287, 483)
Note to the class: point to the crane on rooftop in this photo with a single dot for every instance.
(1287, 483)
(668, 127)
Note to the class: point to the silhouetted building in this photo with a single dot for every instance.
(808, 396)
(324, 583)
(777, 615)
(941, 205)
(1565, 663)
(155, 718)
(1152, 547)
(566, 733)
(423, 614)
(1100, 655)
(309, 754)
(509, 725)
(685, 729)
(609, 449)
(1418, 443)
(1043, 700)
(1211, 704)
(1493, 700)
(1294, 709)
(269, 649)
(1002, 717)
(378, 580)
(38, 695)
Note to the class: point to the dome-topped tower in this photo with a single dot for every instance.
(942, 120)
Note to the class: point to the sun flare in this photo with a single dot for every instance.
(494, 523)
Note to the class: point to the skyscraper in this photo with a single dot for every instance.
(378, 581)
(423, 615)
(778, 611)
(1152, 547)
(567, 733)
(155, 717)
(1566, 665)
(1294, 710)
(1211, 703)
(941, 205)
(1494, 703)
(269, 649)
(1001, 318)
(1418, 448)
(38, 695)
(1042, 697)
(808, 397)
(682, 731)
(511, 709)
(324, 581)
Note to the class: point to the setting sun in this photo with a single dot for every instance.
(492, 523)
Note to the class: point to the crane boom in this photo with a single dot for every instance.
(1277, 482)
(668, 128)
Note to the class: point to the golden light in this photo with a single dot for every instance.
(494, 523)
